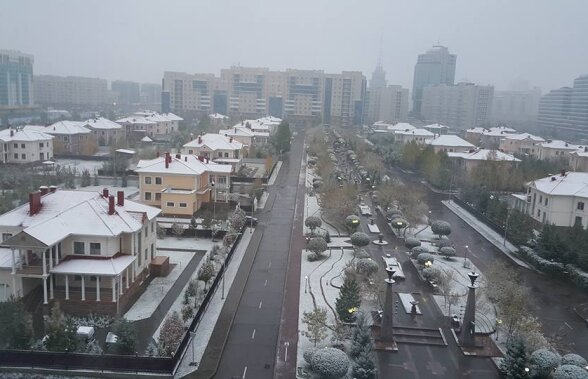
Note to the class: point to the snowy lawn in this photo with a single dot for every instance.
(80, 165)
(185, 243)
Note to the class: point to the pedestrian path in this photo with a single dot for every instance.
(494, 238)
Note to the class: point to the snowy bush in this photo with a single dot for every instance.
(393, 213)
(574, 359)
(366, 266)
(542, 363)
(570, 372)
(425, 257)
(317, 245)
(444, 242)
(312, 257)
(416, 251)
(313, 222)
(411, 242)
(307, 355)
(441, 228)
(329, 363)
(359, 239)
(447, 252)
(362, 254)
(431, 274)
(399, 223)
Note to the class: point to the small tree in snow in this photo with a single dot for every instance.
(418, 250)
(127, 336)
(313, 222)
(574, 359)
(366, 266)
(359, 240)
(542, 363)
(515, 361)
(441, 228)
(570, 372)
(171, 334)
(206, 272)
(352, 222)
(317, 245)
(316, 324)
(447, 252)
(425, 257)
(329, 363)
(177, 229)
(411, 242)
(348, 301)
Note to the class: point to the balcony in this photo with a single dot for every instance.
(31, 270)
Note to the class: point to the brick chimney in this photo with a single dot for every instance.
(12, 132)
(231, 140)
(111, 205)
(178, 156)
(157, 155)
(52, 188)
(199, 140)
(120, 198)
(166, 160)
(44, 190)
(105, 193)
(34, 202)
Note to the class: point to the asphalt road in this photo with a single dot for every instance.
(250, 350)
(553, 298)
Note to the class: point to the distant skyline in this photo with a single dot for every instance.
(497, 42)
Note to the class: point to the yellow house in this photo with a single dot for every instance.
(180, 183)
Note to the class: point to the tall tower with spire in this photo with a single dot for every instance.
(378, 76)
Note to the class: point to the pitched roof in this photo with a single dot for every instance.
(187, 164)
(559, 144)
(22, 135)
(61, 128)
(522, 136)
(400, 126)
(415, 132)
(484, 155)
(66, 212)
(101, 123)
(570, 184)
(451, 140)
(237, 131)
(215, 142)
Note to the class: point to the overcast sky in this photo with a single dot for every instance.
(496, 41)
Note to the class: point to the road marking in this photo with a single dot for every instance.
(252, 337)
(270, 264)
(260, 302)
(244, 372)
(265, 284)
(568, 325)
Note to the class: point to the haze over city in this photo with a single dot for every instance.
(497, 42)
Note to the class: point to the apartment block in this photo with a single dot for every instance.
(16, 79)
(70, 91)
(25, 146)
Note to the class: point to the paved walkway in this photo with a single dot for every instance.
(494, 238)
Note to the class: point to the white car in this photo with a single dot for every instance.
(365, 210)
(392, 262)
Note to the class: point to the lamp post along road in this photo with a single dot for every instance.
(387, 333)
(468, 327)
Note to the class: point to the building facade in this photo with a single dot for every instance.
(25, 146)
(69, 137)
(127, 93)
(16, 79)
(565, 110)
(436, 66)
(516, 107)
(463, 106)
(389, 104)
(70, 91)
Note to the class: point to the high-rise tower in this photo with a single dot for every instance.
(434, 67)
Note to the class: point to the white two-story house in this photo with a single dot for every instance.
(216, 147)
(25, 146)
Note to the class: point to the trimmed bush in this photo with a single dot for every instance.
(444, 242)
(424, 257)
(399, 223)
(307, 355)
(329, 363)
(431, 274)
(352, 222)
(416, 251)
(312, 257)
(393, 213)
(411, 242)
(366, 266)
(360, 239)
(362, 254)
(441, 228)
(573, 359)
(313, 222)
(570, 372)
(317, 245)
(447, 252)
(542, 363)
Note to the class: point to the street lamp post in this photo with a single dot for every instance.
(192, 334)
(306, 284)
(223, 284)
(387, 333)
(506, 226)
(465, 257)
(212, 184)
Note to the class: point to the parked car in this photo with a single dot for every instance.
(250, 220)
(392, 262)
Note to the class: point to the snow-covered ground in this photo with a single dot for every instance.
(312, 208)
(272, 178)
(159, 287)
(129, 191)
(185, 243)
(206, 326)
(262, 200)
(80, 165)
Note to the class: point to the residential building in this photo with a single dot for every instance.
(515, 107)
(436, 66)
(451, 144)
(555, 149)
(561, 199)
(579, 159)
(218, 119)
(253, 132)
(419, 136)
(128, 93)
(217, 147)
(179, 184)
(70, 91)
(462, 106)
(471, 160)
(25, 146)
(523, 144)
(388, 103)
(105, 131)
(565, 110)
(90, 251)
(16, 79)
(437, 128)
(69, 137)
(488, 138)
(150, 95)
(149, 123)
(249, 93)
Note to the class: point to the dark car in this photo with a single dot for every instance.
(250, 220)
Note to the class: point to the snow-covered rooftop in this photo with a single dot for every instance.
(484, 155)
(61, 128)
(66, 212)
(157, 117)
(400, 126)
(451, 140)
(218, 116)
(237, 131)
(416, 132)
(136, 120)
(494, 131)
(569, 184)
(111, 267)
(146, 139)
(186, 164)
(435, 126)
(522, 136)
(559, 144)
(21, 135)
(101, 123)
(215, 142)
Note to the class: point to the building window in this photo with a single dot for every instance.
(540, 199)
(41, 145)
(183, 205)
(546, 201)
(78, 278)
(190, 151)
(157, 196)
(79, 248)
(152, 251)
(578, 221)
(147, 180)
(94, 248)
(23, 156)
(16, 145)
(220, 154)
(226, 155)
(146, 252)
(170, 204)
(152, 226)
(147, 196)
(15, 155)
(538, 213)
(6, 236)
(157, 180)
(22, 145)
(580, 206)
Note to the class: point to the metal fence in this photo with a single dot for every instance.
(479, 215)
